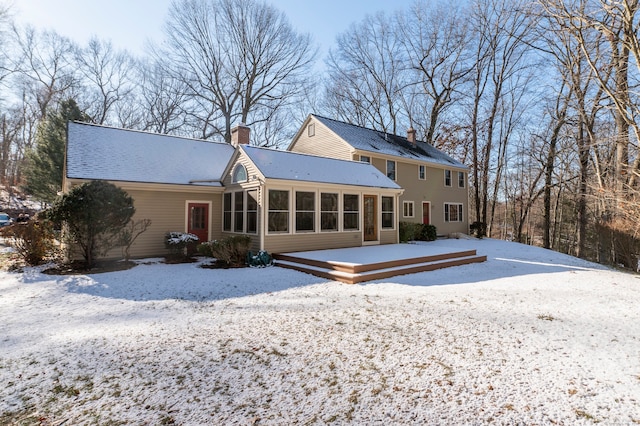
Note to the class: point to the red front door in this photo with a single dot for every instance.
(426, 213)
(198, 221)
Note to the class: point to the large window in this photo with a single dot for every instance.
(453, 212)
(328, 211)
(226, 222)
(305, 211)
(407, 208)
(460, 179)
(447, 178)
(252, 211)
(387, 213)
(238, 211)
(351, 212)
(391, 169)
(422, 172)
(278, 211)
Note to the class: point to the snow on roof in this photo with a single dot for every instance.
(310, 168)
(99, 152)
(375, 141)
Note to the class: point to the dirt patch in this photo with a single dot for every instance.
(76, 268)
(220, 265)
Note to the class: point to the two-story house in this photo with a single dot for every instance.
(435, 185)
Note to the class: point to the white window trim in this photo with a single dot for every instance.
(291, 211)
(413, 211)
(461, 214)
(424, 169)
(341, 212)
(320, 211)
(315, 213)
(394, 212)
(235, 171)
(450, 178)
(395, 169)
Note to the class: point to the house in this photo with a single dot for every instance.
(435, 185)
(285, 201)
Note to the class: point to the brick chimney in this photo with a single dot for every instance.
(411, 135)
(240, 135)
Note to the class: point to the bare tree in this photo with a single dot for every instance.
(366, 73)
(5, 70)
(435, 39)
(106, 76)
(44, 67)
(500, 49)
(163, 98)
(236, 57)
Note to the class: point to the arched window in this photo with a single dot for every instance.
(239, 174)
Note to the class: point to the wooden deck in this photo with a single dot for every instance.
(359, 264)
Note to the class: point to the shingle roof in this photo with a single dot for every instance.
(375, 141)
(310, 168)
(100, 152)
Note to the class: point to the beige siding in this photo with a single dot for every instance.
(324, 143)
(255, 240)
(314, 241)
(167, 211)
(252, 171)
(388, 237)
(432, 190)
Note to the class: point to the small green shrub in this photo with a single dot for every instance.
(33, 240)
(410, 231)
(178, 242)
(230, 251)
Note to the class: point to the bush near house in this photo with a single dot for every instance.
(229, 252)
(93, 215)
(34, 241)
(178, 243)
(410, 231)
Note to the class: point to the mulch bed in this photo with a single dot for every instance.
(75, 268)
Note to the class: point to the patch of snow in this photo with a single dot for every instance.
(528, 337)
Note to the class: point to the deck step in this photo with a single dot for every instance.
(352, 274)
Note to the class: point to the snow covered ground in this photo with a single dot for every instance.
(528, 337)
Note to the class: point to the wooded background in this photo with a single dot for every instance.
(539, 98)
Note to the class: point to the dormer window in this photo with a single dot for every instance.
(239, 174)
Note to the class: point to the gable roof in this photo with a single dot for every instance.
(289, 165)
(107, 153)
(375, 141)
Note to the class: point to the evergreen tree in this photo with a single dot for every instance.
(45, 162)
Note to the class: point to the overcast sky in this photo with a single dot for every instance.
(130, 23)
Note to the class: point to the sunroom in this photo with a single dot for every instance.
(291, 202)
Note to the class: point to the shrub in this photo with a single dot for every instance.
(178, 242)
(130, 233)
(33, 240)
(479, 229)
(93, 215)
(428, 233)
(409, 231)
(230, 251)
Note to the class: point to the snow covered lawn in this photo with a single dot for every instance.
(528, 337)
